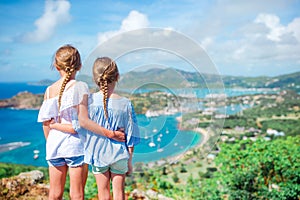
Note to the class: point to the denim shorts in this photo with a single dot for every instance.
(75, 161)
(119, 167)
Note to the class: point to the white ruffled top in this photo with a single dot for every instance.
(62, 144)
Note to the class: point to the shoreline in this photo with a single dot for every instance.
(201, 131)
(172, 159)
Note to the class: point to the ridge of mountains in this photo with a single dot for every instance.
(175, 78)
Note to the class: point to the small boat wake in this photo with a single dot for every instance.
(12, 146)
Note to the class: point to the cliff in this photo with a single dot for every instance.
(23, 100)
(26, 185)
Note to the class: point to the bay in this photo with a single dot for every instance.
(20, 127)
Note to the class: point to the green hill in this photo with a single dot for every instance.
(175, 78)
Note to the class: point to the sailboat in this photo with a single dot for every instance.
(159, 149)
(146, 136)
(152, 144)
(167, 131)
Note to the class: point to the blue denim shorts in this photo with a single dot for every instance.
(119, 167)
(75, 161)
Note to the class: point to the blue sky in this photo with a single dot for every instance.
(248, 38)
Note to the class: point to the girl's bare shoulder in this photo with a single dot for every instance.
(54, 89)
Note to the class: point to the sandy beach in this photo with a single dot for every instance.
(174, 159)
(204, 133)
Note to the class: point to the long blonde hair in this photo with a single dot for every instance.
(105, 71)
(67, 58)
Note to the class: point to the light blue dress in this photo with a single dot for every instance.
(101, 151)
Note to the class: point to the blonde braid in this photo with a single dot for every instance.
(104, 89)
(67, 58)
(105, 71)
(63, 85)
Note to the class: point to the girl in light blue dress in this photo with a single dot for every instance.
(110, 160)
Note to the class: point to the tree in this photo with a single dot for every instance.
(257, 170)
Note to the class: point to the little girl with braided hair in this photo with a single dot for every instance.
(64, 147)
(110, 160)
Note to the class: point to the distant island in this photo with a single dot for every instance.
(44, 82)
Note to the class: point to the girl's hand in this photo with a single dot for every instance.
(119, 135)
(130, 168)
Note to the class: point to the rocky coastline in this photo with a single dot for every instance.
(23, 100)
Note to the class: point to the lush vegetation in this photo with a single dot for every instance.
(8, 170)
(254, 170)
(245, 170)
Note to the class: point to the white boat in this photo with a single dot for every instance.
(152, 144)
(159, 149)
(36, 151)
(36, 154)
(146, 136)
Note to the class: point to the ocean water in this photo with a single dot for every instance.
(7, 90)
(21, 126)
(21, 135)
(20, 130)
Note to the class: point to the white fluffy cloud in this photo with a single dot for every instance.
(294, 28)
(55, 13)
(134, 20)
(264, 42)
(277, 31)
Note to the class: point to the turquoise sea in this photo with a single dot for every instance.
(22, 140)
(20, 130)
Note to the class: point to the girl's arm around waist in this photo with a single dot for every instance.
(87, 123)
(63, 127)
